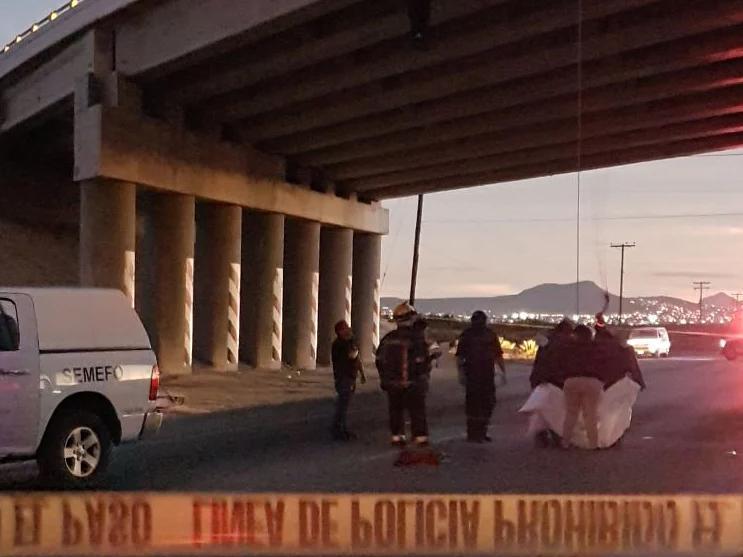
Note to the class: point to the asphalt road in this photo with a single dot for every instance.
(687, 436)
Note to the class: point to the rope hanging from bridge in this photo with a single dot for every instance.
(579, 164)
(579, 154)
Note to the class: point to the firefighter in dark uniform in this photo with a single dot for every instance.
(478, 353)
(404, 359)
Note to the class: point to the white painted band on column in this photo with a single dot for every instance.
(188, 309)
(376, 314)
(278, 301)
(313, 322)
(233, 314)
(129, 275)
(349, 297)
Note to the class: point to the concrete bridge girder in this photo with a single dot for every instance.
(235, 251)
(333, 96)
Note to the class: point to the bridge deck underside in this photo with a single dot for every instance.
(493, 94)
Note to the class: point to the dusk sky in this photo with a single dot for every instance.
(500, 239)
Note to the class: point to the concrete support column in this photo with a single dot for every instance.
(217, 285)
(262, 289)
(301, 289)
(144, 298)
(336, 259)
(108, 235)
(173, 231)
(365, 310)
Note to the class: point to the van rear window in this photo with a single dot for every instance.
(9, 334)
(644, 333)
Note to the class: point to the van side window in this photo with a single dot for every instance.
(9, 333)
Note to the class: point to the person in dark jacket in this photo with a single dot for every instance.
(615, 361)
(478, 353)
(549, 360)
(404, 360)
(549, 368)
(347, 369)
(583, 387)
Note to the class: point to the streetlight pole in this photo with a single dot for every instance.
(622, 246)
(701, 285)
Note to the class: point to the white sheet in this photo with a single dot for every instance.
(546, 406)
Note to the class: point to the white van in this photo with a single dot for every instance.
(77, 375)
(651, 341)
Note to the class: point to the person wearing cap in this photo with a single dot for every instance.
(404, 360)
(347, 368)
(478, 352)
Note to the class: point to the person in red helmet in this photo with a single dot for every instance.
(404, 361)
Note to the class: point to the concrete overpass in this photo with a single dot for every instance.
(237, 151)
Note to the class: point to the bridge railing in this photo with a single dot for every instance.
(41, 24)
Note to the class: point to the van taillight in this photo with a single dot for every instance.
(154, 382)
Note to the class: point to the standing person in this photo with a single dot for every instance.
(347, 368)
(478, 353)
(583, 388)
(550, 358)
(404, 361)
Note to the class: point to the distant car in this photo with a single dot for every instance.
(650, 341)
(731, 347)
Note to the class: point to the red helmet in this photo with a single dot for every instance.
(403, 311)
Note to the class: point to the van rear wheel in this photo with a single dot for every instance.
(76, 450)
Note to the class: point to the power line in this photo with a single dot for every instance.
(571, 219)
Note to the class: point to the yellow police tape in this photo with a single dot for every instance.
(385, 524)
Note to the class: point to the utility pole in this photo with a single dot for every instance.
(622, 246)
(416, 250)
(701, 285)
(736, 312)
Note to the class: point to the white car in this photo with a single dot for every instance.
(650, 341)
(77, 376)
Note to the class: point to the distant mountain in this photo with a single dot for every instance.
(551, 299)
(721, 300)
